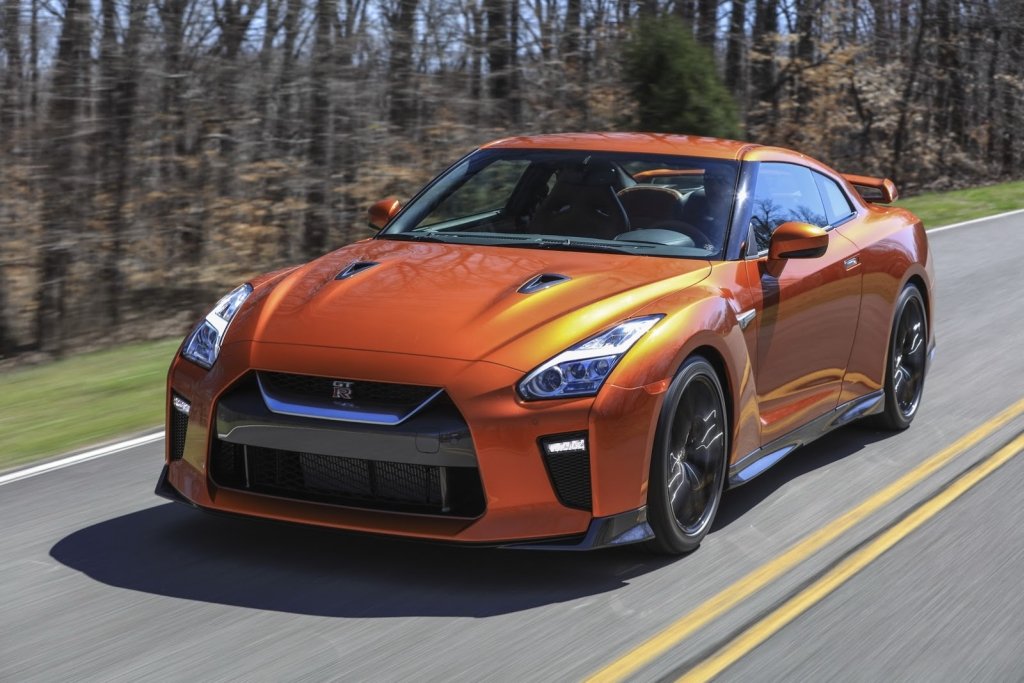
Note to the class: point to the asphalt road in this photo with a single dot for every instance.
(101, 580)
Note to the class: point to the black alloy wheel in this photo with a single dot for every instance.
(907, 362)
(688, 465)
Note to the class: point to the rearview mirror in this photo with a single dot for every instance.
(383, 211)
(797, 240)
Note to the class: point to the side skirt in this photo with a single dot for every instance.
(753, 464)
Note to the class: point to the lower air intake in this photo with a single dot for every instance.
(352, 482)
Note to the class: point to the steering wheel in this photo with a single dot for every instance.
(699, 238)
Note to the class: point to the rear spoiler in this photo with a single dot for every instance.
(874, 190)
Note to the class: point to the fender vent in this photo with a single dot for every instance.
(542, 281)
(355, 268)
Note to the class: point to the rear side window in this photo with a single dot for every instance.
(837, 205)
(783, 193)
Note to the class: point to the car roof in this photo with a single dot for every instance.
(644, 143)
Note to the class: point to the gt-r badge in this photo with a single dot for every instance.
(342, 390)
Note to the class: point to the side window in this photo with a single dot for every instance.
(837, 206)
(783, 193)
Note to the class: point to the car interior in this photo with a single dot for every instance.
(599, 199)
(596, 199)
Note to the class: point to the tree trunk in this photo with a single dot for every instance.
(33, 56)
(514, 94)
(233, 17)
(10, 102)
(1011, 98)
(401, 22)
(992, 93)
(762, 62)
(571, 36)
(707, 22)
(285, 128)
(476, 61)
(945, 78)
(805, 46)
(498, 56)
(118, 81)
(314, 238)
(899, 139)
(263, 90)
(736, 47)
(61, 210)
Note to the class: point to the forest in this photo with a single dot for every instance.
(154, 153)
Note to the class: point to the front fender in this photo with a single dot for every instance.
(699, 320)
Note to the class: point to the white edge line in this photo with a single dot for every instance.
(18, 475)
(932, 231)
(34, 470)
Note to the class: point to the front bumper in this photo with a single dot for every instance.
(520, 502)
(603, 532)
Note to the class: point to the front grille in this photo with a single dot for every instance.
(176, 432)
(321, 389)
(351, 482)
(570, 476)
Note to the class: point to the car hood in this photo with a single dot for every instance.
(457, 301)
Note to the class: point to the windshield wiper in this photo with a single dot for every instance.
(573, 245)
(498, 239)
(430, 236)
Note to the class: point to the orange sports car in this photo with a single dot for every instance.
(567, 341)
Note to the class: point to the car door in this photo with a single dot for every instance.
(806, 308)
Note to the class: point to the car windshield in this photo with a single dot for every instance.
(577, 200)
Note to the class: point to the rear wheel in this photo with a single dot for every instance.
(688, 464)
(908, 359)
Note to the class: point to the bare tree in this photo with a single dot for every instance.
(317, 213)
(62, 204)
(400, 22)
(154, 152)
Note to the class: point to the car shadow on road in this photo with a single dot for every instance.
(176, 551)
(829, 449)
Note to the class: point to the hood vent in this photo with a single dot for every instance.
(355, 268)
(543, 281)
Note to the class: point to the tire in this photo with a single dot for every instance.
(688, 465)
(906, 362)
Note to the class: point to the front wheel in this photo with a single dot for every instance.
(688, 465)
(908, 359)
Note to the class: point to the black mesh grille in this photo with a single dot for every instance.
(352, 482)
(363, 393)
(176, 432)
(570, 476)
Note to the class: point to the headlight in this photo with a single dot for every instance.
(203, 345)
(582, 369)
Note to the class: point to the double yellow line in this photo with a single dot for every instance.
(842, 572)
(680, 629)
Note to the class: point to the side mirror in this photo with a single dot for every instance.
(383, 211)
(797, 240)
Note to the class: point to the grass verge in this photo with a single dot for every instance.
(79, 401)
(945, 208)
